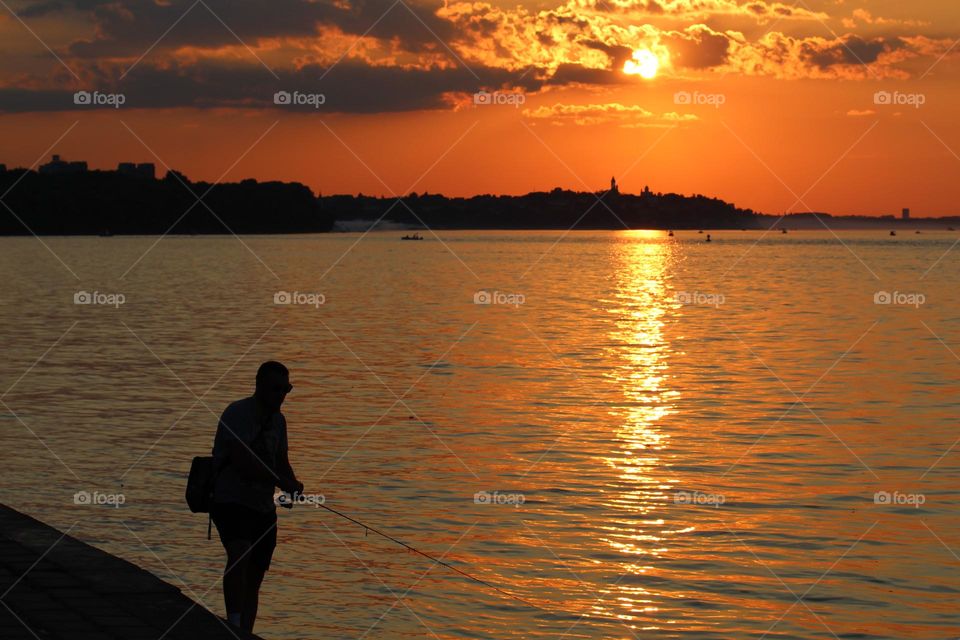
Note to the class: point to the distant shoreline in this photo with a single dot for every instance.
(65, 199)
(907, 232)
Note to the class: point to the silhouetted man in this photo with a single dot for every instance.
(250, 458)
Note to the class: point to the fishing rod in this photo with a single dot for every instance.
(428, 556)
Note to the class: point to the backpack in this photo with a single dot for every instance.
(199, 493)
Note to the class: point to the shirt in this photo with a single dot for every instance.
(268, 443)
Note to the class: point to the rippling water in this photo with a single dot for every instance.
(686, 438)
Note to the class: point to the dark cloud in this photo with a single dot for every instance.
(618, 54)
(698, 48)
(130, 28)
(575, 74)
(38, 9)
(350, 87)
(849, 50)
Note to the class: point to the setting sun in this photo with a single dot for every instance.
(644, 63)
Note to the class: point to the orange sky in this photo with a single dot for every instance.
(771, 106)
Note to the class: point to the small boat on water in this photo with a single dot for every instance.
(950, 229)
(415, 236)
(670, 233)
(893, 233)
(783, 231)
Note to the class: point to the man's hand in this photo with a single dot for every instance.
(292, 486)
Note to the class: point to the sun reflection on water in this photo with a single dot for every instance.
(640, 370)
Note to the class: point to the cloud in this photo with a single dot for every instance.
(350, 87)
(864, 16)
(554, 42)
(414, 55)
(847, 57)
(131, 29)
(611, 112)
(756, 10)
(698, 47)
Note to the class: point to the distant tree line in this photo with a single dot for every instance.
(85, 202)
(97, 202)
(557, 209)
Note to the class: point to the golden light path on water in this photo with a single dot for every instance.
(641, 300)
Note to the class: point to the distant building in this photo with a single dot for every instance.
(173, 174)
(142, 170)
(58, 166)
(906, 214)
(613, 186)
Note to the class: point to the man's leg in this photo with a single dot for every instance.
(251, 595)
(234, 579)
(260, 556)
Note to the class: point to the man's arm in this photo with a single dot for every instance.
(288, 479)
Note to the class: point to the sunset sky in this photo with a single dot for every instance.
(845, 106)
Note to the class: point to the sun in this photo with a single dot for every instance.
(644, 64)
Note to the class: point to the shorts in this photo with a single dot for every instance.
(237, 522)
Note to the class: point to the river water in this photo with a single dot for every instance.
(637, 435)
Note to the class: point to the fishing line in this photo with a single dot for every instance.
(430, 557)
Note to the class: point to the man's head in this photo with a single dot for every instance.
(273, 384)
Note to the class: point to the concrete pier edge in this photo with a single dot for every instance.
(53, 586)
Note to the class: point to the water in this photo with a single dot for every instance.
(696, 431)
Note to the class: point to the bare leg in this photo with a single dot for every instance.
(251, 596)
(234, 575)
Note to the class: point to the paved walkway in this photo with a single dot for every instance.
(54, 587)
